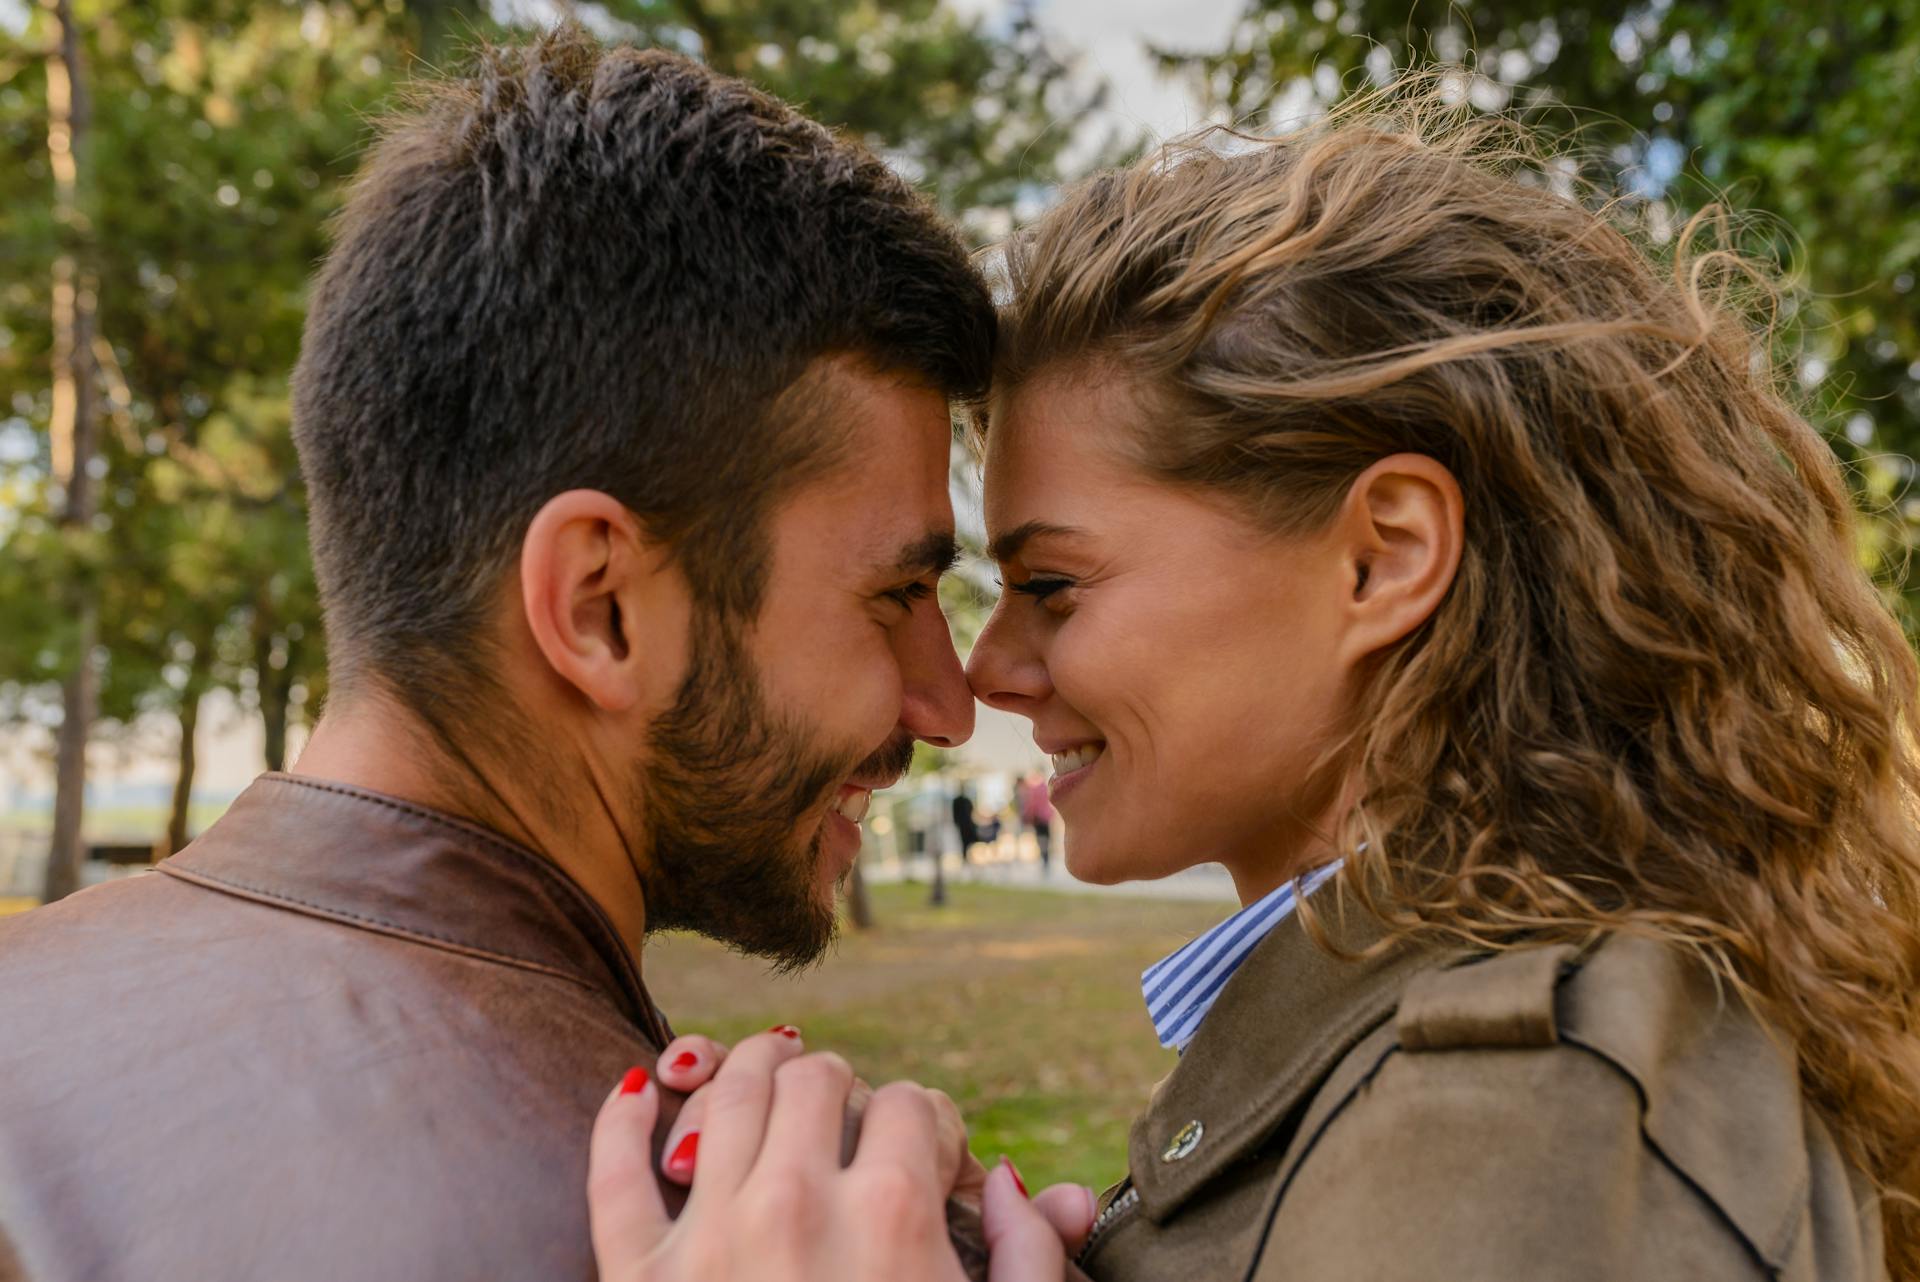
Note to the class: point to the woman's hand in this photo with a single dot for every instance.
(689, 1063)
(771, 1201)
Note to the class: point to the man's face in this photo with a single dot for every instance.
(785, 725)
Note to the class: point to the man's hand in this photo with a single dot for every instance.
(771, 1202)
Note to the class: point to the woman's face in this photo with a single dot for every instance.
(1180, 665)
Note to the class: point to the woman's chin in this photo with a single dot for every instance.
(1087, 861)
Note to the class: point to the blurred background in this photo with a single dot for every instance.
(167, 169)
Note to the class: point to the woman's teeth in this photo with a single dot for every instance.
(853, 806)
(1074, 758)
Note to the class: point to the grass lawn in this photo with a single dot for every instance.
(1023, 1005)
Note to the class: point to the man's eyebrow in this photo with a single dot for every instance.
(934, 552)
(1008, 545)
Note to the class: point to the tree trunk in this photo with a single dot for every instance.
(80, 697)
(275, 688)
(72, 426)
(183, 780)
(937, 846)
(859, 906)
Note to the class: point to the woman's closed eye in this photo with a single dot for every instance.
(1041, 588)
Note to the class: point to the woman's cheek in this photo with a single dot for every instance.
(1093, 660)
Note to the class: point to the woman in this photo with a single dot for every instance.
(1370, 509)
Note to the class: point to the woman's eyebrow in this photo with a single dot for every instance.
(1007, 546)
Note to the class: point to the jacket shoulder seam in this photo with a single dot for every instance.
(428, 939)
(594, 919)
(1785, 1237)
(475, 831)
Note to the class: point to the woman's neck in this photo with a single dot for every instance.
(1292, 848)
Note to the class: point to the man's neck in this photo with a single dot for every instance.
(373, 741)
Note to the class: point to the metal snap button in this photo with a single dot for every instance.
(1185, 1142)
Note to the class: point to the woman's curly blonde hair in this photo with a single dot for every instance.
(1662, 695)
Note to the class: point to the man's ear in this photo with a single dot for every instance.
(606, 603)
(1400, 532)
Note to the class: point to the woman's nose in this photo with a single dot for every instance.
(1005, 670)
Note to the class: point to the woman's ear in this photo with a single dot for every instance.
(606, 604)
(1401, 530)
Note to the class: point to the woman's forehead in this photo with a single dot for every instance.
(1037, 465)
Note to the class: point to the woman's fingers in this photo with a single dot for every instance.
(624, 1206)
(961, 1172)
(1071, 1209)
(680, 1156)
(969, 1185)
(809, 1105)
(1022, 1244)
(856, 1114)
(950, 1147)
(689, 1062)
(770, 1188)
(734, 1114)
(902, 1130)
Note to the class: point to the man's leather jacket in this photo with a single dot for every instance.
(340, 1036)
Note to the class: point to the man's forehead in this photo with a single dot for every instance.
(883, 501)
(882, 518)
(892, 437)
(864, 397)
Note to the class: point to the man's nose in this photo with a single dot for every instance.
(936, 704)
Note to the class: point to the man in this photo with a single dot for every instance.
(964, 825)
(623, 412)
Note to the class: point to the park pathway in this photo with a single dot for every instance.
(1207, 882)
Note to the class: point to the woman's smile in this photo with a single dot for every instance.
(1070, 769)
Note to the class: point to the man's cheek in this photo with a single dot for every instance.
(852, 698)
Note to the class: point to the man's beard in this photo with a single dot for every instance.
(723, 797)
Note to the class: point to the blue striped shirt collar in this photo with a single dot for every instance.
(1181, 987)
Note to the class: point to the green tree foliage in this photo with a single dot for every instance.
(220, 136)
(977, 114)
(1809, 113)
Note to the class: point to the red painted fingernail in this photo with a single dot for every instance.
(785, 1030)
(685, 1060)
(1014, 1171)
(685, 1154)
(634, 1082)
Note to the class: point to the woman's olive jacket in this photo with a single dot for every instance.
(1543, 1113)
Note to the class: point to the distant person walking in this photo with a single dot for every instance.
(1036, 812)
(963, 823)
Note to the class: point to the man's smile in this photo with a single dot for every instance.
(851, 802)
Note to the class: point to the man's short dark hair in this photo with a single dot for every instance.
(605, 268)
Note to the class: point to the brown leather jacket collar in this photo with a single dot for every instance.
(400, 869)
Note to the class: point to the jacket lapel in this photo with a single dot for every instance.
(1282, 1022)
